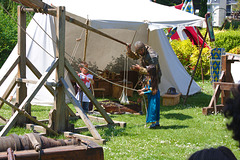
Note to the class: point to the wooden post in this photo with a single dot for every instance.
(21, 92)
(189, 86)
(85, 44)
(61, 121)
(226, 67)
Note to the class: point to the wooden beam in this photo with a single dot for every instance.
(21, 91)
(3, 120)
(10, 70)
(28, 116)
(29, 98)
(8, 91)
(22, 80)
(50, 89)
(102, 120)
(85, 43)
(37, 4)
(61, 121)
(226, 85)
(79, 109)
(37, 128)
(41, 6)
(99, 141)
(215, 96)
(84, 129)
(87, 92)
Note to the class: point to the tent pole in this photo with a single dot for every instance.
(195, 67)
(201, 57)
(85, 45)
(148, 37)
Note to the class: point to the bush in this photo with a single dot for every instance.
(235, 50)
(234, 25)
(8, 29)
(188, 56)
(8, 36)
(227, 39)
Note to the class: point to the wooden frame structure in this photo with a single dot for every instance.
(222, 87)
(57, 124)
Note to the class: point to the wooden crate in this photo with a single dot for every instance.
(117, 90)
(170, 100)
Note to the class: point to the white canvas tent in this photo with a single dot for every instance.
(121, 20)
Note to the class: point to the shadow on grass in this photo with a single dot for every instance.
(178, 116)
(110, 132)
(197, 100)
(172, 127)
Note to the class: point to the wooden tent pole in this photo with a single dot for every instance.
(85, 44)
(195, 68)
(201, 57)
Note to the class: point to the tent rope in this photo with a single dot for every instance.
(73, 59)
(26, 31)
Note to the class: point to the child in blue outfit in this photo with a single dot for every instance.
(153, 94)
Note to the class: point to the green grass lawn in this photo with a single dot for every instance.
(184, 130)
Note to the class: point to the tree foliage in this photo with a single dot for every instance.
(8, 28)
(203, 9)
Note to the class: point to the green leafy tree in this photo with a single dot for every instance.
(237, 7)
(8, 28)
(203, 9)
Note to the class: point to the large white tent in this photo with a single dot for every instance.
(125, 20)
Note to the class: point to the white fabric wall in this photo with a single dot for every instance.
(173, 73)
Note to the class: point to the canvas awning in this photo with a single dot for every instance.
(127, 14)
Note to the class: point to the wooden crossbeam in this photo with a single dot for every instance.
(87, 92)
(29, 98)
(41, 5)
(99, 141)
(28, 116)
(9, 70)
(49, 88)
(102, 120)
(2, 120)
(79, 109)
(225, 86)
(8, 91)
(31, 3)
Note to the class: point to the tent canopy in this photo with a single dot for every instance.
(132, 24)
(127, 14)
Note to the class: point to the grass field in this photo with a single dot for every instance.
(184, 130)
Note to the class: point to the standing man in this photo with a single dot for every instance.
(147, 56)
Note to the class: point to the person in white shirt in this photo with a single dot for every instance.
(88, 81)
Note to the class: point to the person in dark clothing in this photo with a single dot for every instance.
(231, 111)
(147, 56)
(220, 153)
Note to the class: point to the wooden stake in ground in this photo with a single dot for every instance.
(199, 57)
